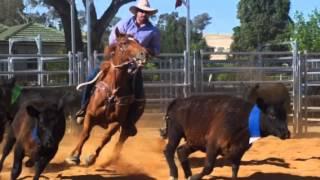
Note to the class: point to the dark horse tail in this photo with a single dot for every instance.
(164, 130)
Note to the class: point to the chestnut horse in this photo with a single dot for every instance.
(113, 95)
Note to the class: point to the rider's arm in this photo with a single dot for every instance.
(154, 48)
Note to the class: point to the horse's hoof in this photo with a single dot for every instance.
(80, 119)
(73, 160)
(90, 160)
(194, 177)
(173, 178)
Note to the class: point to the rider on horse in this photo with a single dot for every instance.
(148, 36)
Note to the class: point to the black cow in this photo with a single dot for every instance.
(13, 96)
(6, 87)
(36, 131)
(219, 125)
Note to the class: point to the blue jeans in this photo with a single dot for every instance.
(87, 91)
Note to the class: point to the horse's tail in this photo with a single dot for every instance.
(164, 130)
(90, 82)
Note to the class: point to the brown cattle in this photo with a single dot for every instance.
(113, 96)
(219, 125)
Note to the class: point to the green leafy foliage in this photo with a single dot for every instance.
(173, 32)
(262, 22)
(307, 32)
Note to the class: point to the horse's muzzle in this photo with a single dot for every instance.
(141, 58)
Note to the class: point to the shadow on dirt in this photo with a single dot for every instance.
(199, 162)
(111, 177)
(273, 176)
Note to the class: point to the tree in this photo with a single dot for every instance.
(173, 32)
(201, 21)
(262, 22)
(307, 32)
(11, 12)
(98, 25)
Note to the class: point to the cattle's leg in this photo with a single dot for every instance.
(74, 157)
(117, 149)
(236, 163)
(183, 152)
(42, 162)
(17, 162)
(174, 138)
(112, 129)
(2, 130)
(10, 141)
(212, 153)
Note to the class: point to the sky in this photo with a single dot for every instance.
(223, 12)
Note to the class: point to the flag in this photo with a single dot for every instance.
(178, 3)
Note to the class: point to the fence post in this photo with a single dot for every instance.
(297, 129)
(81, 70)
(40, 71)
(305, 100)
(201, 70)
(10, 67)
(70, 67)
(95, 59)
(195, 82)
(185, 72)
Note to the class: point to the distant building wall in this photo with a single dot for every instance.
(220, 43)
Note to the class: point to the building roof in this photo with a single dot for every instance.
(47, 34)
(3, 28)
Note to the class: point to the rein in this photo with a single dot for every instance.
(90, 82)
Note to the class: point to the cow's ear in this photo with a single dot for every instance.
(61, 103)
(67, 97)
(32, 111)
(261, 104)
(11, 82)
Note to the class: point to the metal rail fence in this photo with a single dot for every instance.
(172, 75)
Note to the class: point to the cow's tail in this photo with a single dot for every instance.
(164, 130)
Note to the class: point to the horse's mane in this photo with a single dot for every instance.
(106, 64)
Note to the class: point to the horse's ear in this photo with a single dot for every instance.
(118, 34)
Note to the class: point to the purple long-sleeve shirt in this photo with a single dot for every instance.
(148, 36)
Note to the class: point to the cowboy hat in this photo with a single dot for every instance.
(143, 5)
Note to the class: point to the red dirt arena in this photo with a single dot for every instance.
(142, 158)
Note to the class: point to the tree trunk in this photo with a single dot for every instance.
(98, 26)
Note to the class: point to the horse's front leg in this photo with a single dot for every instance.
(117, 149)
(112, 129)
(74, 157)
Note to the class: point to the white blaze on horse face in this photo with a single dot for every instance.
(131, 39)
